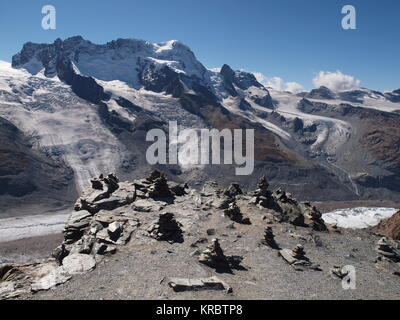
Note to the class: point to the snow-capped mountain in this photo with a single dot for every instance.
(86, 108)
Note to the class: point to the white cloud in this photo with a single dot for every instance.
(294, 87)
(336, 81)
(278, 83)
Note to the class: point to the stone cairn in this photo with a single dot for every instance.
(213, 255)
(296, 257)
(299, 253)
(233, 190)
(262, 196)
(111, 182)
(166, 228)
(233, 212)
(287, 208)
(385, 250)
(269, 238)
(159, 186)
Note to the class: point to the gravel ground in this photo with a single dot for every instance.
(140, 270)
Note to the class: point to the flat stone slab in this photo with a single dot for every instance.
(185, 284)
(287, 255)
(55, 277)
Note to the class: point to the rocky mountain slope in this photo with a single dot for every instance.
(28, 174)
(154, 239)
(390, 227)
(88, 107)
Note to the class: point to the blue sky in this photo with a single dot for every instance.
(291, 39)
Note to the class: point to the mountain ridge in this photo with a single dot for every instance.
(129, 86)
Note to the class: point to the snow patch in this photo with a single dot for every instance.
(358, 218)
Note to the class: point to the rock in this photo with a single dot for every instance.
(297, 258)
(233, 190)
(184, 284)
(154, 175)
(60, 253)
(8, 290)
(213, 256)
(55, 277)
(337, 271)
(221, 203)
(159, 187)
(312, 217)
(388, 251)
(97, 183)
(114, 230)
(210, 189)
(233, 212)
(166, 228)
(262, 196)
(111, 182)
(198, 241)
(178, 189)
(287, 254)
(102, 249)
(298, 252)
(269, 238)
(95, 226)
(77, 224)
(211, 232)
(106, 194)
(118, 235)
(296, 235)
(390, 227)
(77, 263)
(83, 245)
(287, 209)
(298, 214)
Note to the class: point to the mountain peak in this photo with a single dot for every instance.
(122, 59)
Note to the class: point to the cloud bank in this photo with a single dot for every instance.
(336, 81)
(278, 83)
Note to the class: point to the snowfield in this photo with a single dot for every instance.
(61, 123)
(358, 218)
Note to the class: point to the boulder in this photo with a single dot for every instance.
(78, 263)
